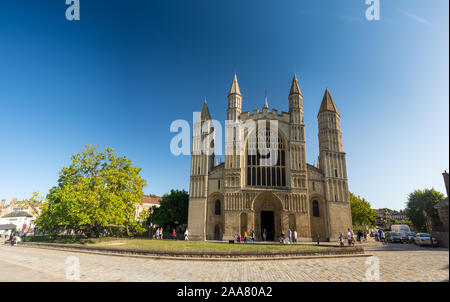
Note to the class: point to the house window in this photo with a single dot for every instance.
(217, 210)
(316, 212)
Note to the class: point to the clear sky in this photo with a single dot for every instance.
(119, 77)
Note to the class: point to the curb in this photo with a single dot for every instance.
(166, 255)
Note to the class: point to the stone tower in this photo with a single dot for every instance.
(202, 161)
(297, 138)
(232, 154)
(332, 163)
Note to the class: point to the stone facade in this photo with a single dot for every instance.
(245, 193)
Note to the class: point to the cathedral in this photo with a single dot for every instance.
(246, 193)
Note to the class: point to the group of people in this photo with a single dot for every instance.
(361, 236)
(244, 237)
(14, 238)
(291, 237)
(379, 236)
(159, 234)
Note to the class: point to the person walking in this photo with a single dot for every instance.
(349, 237)
(252, 236)
(186, 235)
(245, 237)
(264, 235)
(239, 237)
(174, 234)
(295, 236)
(290, 236)
(157, 233)
(383, 238)
(365, 236)
(341, 239)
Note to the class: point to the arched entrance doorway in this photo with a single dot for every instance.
(217, 233)
(267, 212)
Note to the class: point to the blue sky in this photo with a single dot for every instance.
(119, 77)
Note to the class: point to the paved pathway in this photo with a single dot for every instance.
(397, 262)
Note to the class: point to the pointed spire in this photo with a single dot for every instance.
(295, 88)
(328, 103)
(235, 87)
(204, 114)
(266, 105)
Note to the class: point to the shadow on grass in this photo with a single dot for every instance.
(69, 239)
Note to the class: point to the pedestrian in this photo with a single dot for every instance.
(359, 236)
(290, 236)
(252, 236)
(349, 237)
(295, 236)
(264, 235)
(341, 239)
(245, 237)
(383, 238)
(239, 237)
(186, 235)
(174, 234)
(161, 233)
(376, 235)
(157, 233)
(365, 236)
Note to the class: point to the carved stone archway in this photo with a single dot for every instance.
(263, 206)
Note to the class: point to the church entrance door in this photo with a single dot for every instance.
(268, 223)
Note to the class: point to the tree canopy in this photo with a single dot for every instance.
(421, 201)
(173, 210)
(362, 213)
(97, 191)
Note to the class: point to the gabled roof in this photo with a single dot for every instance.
(295, 88)
(151, 199)
(328, 103)
(18, 214)
(442, 204)
(234, 87)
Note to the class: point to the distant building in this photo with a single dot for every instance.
(386, 216)
(14, 206)
(148, 201)
(22, 220)
(398, 215)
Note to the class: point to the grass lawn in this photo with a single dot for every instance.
(180, 245)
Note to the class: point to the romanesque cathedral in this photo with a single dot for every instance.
(248, 192)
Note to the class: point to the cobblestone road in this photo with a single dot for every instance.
(397, 262)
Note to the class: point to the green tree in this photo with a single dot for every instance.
(173, 210)
(421, 201)
(97, 191)
(362, 213)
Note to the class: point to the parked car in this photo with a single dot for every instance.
(393, 237)
(424, 239)
(401, 229)
(411, 236)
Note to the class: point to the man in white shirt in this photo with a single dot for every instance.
(349, 237)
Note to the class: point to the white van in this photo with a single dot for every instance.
(402, 229)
